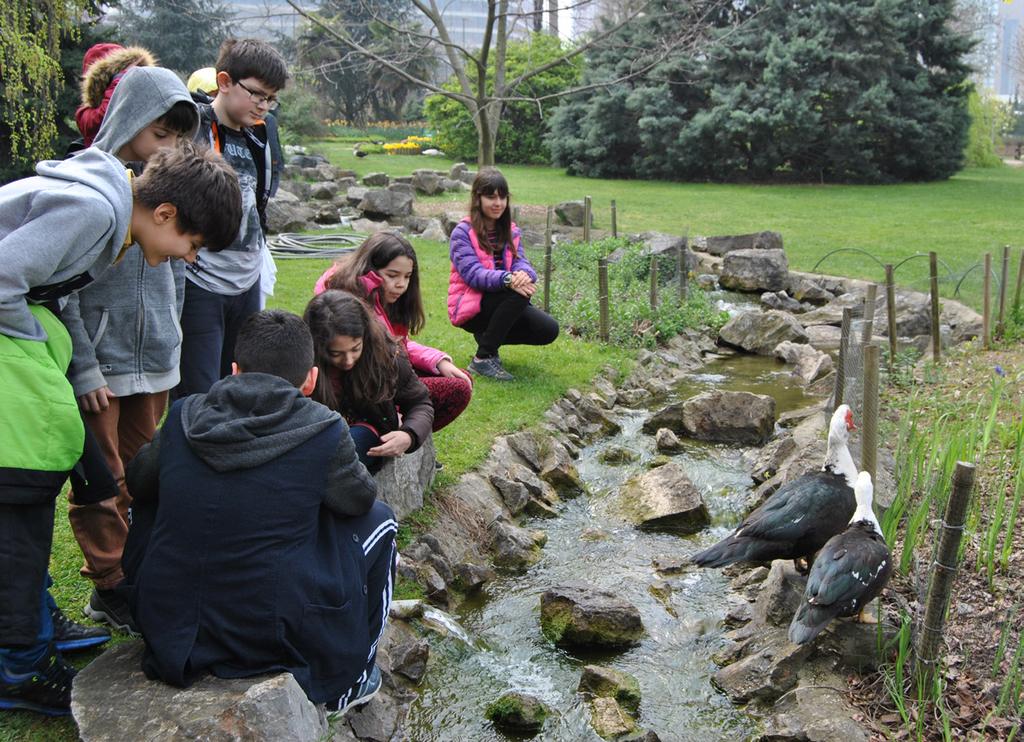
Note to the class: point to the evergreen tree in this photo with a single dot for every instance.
(184, 35)
(827, 90)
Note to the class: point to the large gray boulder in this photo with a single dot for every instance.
(761, 332)
(571, 213)
(665, 499)
(285, 213)
(809, 364)
(731, 243)
(355, 194)
(403, 480)
(112, 701)
(428, 182)
(376, 180)
(584, 616)
(814, 714)
(769, 668)
(755, 270)
(324, 191)
(380, 203)
(720, 417)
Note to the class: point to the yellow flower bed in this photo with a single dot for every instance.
(402, 148)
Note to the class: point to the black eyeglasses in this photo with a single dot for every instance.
(259, 98)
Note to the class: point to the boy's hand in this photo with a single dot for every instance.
(447, 368)
(97, 400)
(394, 443)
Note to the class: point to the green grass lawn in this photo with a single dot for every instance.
(975, 212)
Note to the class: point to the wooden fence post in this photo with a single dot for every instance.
(586, 219)
(547, 260)
(986, 304)
(602, 298)
(869, 414)
(943, 571)
(654, 282)
(933, 269)
(844, 347)
(615, 219)
(890, 308)
(1020, 282)
(1004, 278)
(684, 279)
(870, 297)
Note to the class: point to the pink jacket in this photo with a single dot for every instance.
(423, 358)
(473, 270)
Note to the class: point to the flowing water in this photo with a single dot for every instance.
(503, 648)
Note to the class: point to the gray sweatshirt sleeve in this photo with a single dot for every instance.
(61, 228)
(351, 489)
(84, 372)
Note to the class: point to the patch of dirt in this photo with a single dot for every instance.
(985, 619)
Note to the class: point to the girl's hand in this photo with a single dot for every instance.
(520, 279)
(97, 400)
(528, 290)
(447, 368)
(394, 443)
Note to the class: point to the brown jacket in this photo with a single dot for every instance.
(412, 401)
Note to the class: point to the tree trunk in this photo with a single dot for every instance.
(485, 137)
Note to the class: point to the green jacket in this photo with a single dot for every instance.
(41, 431)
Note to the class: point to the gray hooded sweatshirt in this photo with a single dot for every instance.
(124, 327)
(59, 230)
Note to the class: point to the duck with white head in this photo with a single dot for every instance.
(797, 520)
(850, 571)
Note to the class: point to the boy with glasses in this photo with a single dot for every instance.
(223, 289)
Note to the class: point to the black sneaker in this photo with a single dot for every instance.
(491, 368)
(359, 696)
(106, 606)
(46, 689)
(70, 636)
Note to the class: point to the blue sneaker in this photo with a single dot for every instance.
(360, 695)
(70, 636)
(45, 689)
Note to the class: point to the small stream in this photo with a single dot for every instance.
(590, 543)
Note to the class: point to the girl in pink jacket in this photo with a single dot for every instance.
(384, 271)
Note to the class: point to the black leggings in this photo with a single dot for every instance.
(507, 318)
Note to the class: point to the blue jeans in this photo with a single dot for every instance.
(365, 439)
(209, 327)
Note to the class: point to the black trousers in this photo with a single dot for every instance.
(26, 534)
(507, 318)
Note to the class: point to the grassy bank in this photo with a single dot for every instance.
(977, 211)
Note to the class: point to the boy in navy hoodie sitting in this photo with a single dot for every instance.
(256, 544)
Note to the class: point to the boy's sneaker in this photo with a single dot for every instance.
(491, 368)
(106, 606)
(70, 636)
(46, 689)
(360, 697)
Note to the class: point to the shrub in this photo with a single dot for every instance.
(522, 128)
(991, 120)
(299, 116)
(632, 322)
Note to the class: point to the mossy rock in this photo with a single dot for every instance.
(582, 616)
(617, 455)
(605, 682)
(517, 712)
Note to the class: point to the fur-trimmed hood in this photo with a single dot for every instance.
(100, 73)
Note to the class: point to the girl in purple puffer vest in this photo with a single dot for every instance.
(491, 280)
